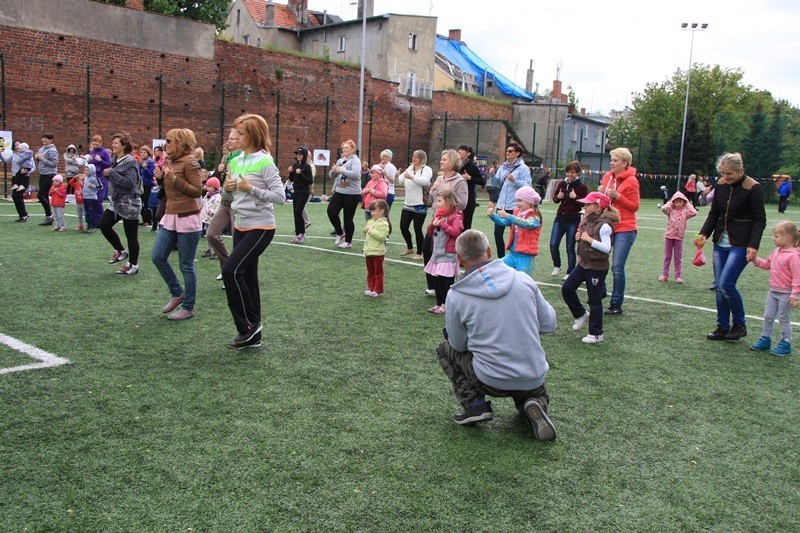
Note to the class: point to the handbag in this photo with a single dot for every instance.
(494, 193)
(426, 196)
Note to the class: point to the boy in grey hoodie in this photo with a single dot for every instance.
(494, 318)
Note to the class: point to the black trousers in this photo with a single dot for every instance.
(131, 228)
(595, 285)
(240, 274)
(19, 196)
(299, 201)
(45, 182)
(418, 219)
(348, 203)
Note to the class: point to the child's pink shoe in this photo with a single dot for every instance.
(678, 280)
(433, 309)
(663, 278)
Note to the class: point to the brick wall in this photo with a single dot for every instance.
(46, 90)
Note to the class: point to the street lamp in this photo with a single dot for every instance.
(694, 26)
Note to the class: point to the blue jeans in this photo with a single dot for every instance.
(187, 247)
(623, 242)
(561, 228)
(728, 266)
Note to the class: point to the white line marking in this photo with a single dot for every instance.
(47, 359)
(541, 283)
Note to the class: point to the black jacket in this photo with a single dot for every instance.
(476, 178)
(738, 208)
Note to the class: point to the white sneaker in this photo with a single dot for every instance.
(219, 277)
(345, 245)
(580, 321)
(373, 294)
(367, 292)
(565, 276)
(592, 339)
(556, 271)
(339, 240)
(430, 292)
(301, 238)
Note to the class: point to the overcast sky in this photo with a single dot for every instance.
(609, 49)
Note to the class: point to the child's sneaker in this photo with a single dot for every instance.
(678, 280)
(782, 349)
(592, 339)
(663, 278)
(62, 230)
(763, 344)
(78, 228)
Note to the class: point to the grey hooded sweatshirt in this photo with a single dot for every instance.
(498, 314)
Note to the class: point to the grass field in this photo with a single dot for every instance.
(342, 420)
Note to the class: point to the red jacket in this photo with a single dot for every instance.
(452, 225)
(527, 239)
(78, 188)
(627, 185)
(58, 195)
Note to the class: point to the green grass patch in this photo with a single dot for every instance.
(342, 420)
(12, 358)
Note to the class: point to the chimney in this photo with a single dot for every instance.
(529, 78)
(556, 89)
(454, 35)
(138, 5)
(369, 5)
(270, 18)
(299, 9)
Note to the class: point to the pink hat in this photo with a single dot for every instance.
(59, 178)
(528, 194)
(376, 168)
(212, 182)
(597, 198)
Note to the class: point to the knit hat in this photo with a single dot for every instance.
(597, 198)
(58, 178)
(528, 194)
(212, 183)
(388, 153)
(376, 168)
(81, 162)
(24, 146)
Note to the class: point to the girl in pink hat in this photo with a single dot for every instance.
(526, 225)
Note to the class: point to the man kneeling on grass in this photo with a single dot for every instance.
(494, 316)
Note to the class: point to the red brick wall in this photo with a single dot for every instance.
(46, 92)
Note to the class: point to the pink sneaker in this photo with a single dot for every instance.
(174, 302)
(678, 280)
(439, 310)
(433, 309)
(663, 278)
(180, 314)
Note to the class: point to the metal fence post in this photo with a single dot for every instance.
(325, 170)
(444, 135)
(160, 79)
(277, 124)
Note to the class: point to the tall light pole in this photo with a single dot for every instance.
(363, 4)
(694, 26)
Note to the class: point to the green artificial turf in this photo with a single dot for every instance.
(341, 421)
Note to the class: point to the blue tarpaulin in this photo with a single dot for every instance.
(461, 56)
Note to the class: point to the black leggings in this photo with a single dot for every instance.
(131, 228)
(348, 202)
(418, 218)
(299, 201)
(45, 182)
(427, 253)
(499, 240)
(442, 284)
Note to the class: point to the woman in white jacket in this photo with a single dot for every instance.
(415, 179)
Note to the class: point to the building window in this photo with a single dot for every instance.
(586, 133)
(598, 138)
(342, 44)
(246, 39)
(258, 41)
(238, 16)
(575, 133)
(411, 83)
(412, 41)
(315, 47)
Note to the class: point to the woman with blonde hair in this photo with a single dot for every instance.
(181, 226)
(735, 222)
(416, 177)
(346, 174)
(253, 185)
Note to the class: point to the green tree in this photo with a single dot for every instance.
(210, 11)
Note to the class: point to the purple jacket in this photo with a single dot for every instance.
(100, 165)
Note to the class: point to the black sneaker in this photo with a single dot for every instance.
(718, 334)
(47, 222)
(247, 338)
(474, 414)
(254, 342)
(737, 332)
(22, 219)
(542, 426)
(614, 310)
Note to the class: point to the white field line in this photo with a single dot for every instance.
(542, 283)
(46, 359)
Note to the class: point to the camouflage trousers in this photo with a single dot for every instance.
(468, 388)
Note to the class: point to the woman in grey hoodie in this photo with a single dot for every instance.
(346, 194)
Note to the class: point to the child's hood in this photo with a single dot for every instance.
(679, 196)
